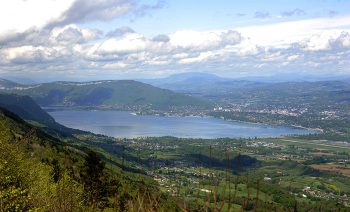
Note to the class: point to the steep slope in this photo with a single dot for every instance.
(42, 173)
(4, 84)
(29, 160)
(25, 107)
(108, 94)
(29, 110)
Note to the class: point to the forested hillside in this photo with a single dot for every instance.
(112, 94)
(39, 172)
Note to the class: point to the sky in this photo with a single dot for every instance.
(80, 40)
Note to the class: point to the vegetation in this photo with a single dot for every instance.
(39, 172)
(318, 105)
(204, 173)
(43, 167)
(30, 111)
(25, 107)
(122, 94)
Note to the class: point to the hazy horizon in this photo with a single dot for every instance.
(288, 77)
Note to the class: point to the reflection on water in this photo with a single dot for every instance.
(125, 125)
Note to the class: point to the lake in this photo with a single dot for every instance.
(122, 124)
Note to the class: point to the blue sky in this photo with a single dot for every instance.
(117, 39)
(220, 14)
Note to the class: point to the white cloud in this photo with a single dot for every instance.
(284, 34)
(180, 55)
(66, 46)
(116, 65)
(30, 54)
(157, 62)
(195, 40)
(317, 43)
(202, 57)
(127, 44)
(19, 15)
(90, 10)
(73, 34)
(292, 58)
(343, 41)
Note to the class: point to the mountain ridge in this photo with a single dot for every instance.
(29, 110)
(108, 94)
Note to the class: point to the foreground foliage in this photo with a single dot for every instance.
(39, 172)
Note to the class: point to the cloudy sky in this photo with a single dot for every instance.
(115, 39)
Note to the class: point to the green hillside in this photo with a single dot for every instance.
(41, 173)
(25, 107)
(107, 94)
(30, 111)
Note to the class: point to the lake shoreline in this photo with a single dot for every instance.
(136, 113)
(126, 124)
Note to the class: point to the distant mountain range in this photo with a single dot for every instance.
(273, 78)
(195, 90)
(210, 84)
(107, 94)
(192, 77)
(197, 82)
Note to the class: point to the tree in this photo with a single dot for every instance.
(92, 177)
(56, 170)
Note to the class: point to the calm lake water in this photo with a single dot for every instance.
(125, 125)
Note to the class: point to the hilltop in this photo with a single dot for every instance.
(199, 83)
(111, 94)
(29, 110)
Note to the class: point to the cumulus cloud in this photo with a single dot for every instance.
(324, 42)
(292, 58)
(164, 49)
(161, 38)
(33, 48)
(73, 34)
(82, 11)
(84, 49)
(22, 15)
(19, 15)
(36, 37)
(91, 10)
(342, 41)
(120, 31)
(319, 44)
(316, 43)
(202, 57)
(129, 43)
(195, 40)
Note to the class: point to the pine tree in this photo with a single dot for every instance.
(92, 177)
